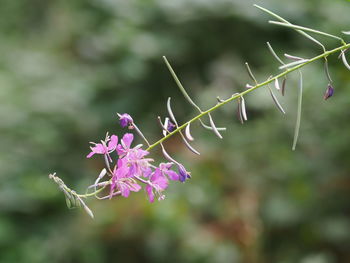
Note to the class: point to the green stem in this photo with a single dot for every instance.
(220, 104)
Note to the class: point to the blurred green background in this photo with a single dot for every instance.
(67, 67)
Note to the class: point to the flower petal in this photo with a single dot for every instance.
(149, 191)
(173, 175)
(99, 148)
(90, 155)
(135, 187)
(127, 139)
(125, 191)
(113, 143)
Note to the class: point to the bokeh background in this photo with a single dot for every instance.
(67, 67)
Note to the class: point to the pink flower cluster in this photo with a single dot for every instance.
(133, 169)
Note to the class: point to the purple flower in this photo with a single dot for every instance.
(124, 147)
(183, 173)
(329, 92)
(169, 125)
(122, 181)
(105, 147)
(157, 184)
(125, 120)
(138, 165)
(165, 169)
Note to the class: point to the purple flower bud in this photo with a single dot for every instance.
(168, 125)
(329, 92)
(171, 126)
(183, 173)
(125, 120)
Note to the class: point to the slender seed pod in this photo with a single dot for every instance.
(293, 57)
(274, 53)
(295, 63)
(297, 122)
(170, 111)
(275, 100)
(209, 127)
(239, 112)
(345, 62)
(243, 109)
(214, 127)
(283, 89)
(188, 132)
(277, 85)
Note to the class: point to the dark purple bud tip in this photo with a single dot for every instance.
(125, 120)
(170, 126)
(183, 174)
(329, 92)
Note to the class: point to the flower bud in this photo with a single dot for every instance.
(125, 120)
(329, 92)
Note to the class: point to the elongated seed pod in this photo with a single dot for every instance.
(188, 144)
(276, 101)
(215, 130)
(244, 112)
(209, 127)
(188, 132)
(345, 62)
(292, 64)
(274, 53)
(297, 122)
(293, 57)
(239, 112)
(277, 85)
(86, 208)
(170, 111)
(283, 89)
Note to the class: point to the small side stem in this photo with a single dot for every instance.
(220, 104)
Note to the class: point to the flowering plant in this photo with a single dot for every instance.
(128, 168)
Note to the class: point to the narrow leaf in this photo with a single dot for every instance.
(297, 123)
(346, 32)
